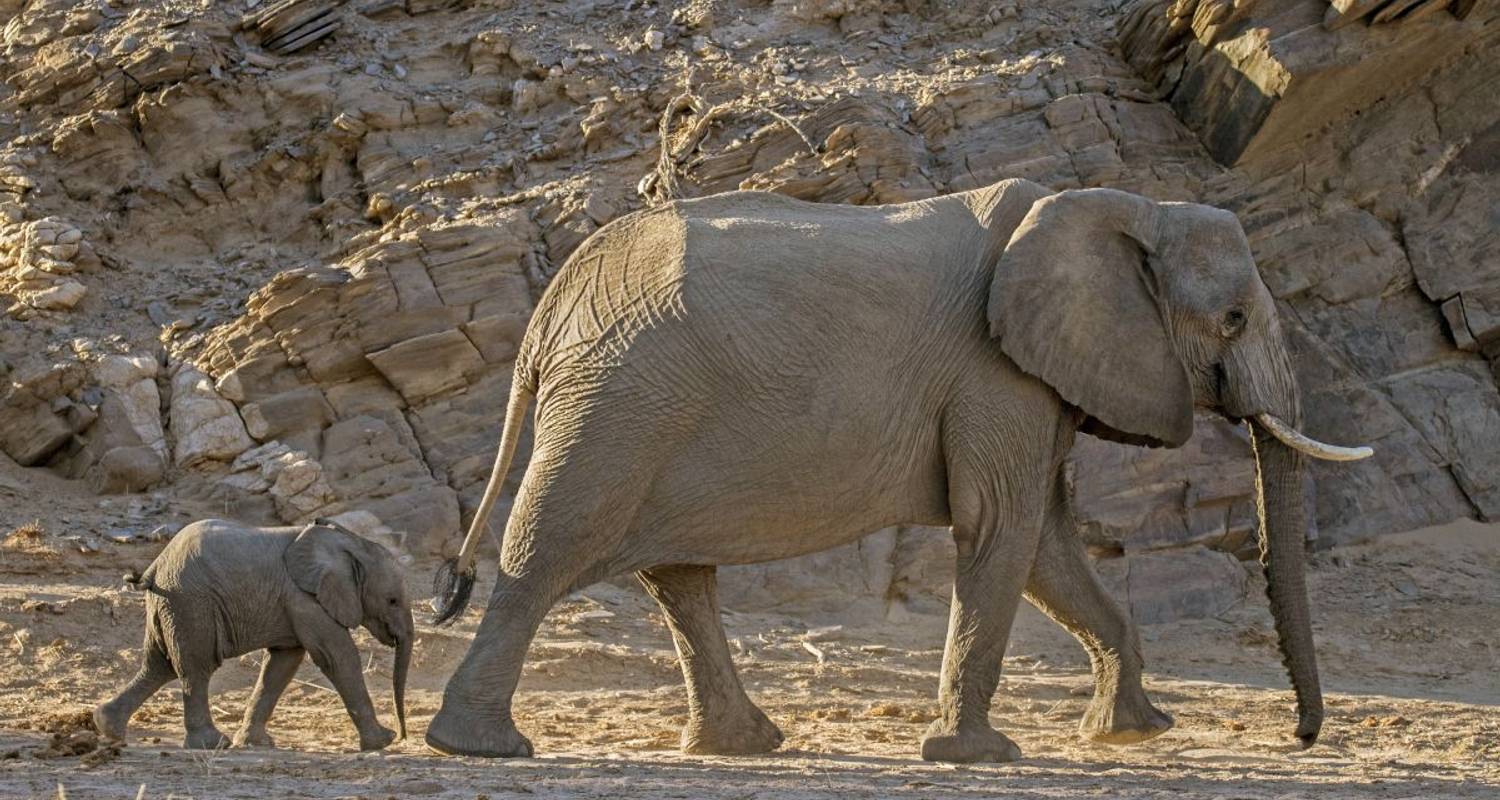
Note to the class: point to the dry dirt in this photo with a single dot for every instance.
(1405, 628)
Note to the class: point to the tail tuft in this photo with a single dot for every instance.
(450, 592)
(134, 580)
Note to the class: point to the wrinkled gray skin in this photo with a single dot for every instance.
(747, 377)
(221, 589)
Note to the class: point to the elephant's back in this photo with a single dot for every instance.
(705, 280)
(213, 552)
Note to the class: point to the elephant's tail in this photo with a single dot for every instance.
(455, 578)
(143, 581)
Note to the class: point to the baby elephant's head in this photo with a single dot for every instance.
(358, 582)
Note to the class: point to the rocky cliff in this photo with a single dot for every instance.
(279, 254)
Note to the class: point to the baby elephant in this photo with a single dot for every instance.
(222, 589)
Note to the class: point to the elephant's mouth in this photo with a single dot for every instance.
(1284, 432)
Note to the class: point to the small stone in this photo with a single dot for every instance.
(598, 209)
(655, 39)
(162, 533)
(823, 634)
(350, 124)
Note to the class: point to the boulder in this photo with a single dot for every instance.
(126, 469)
(132, 403)
(30, 432)
(293, 481)
(31, 428)
(205, 426)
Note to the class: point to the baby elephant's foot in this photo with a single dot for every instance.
(377, 739)
(245, 737)
(205, 739)
(454, 733)
(1126, 718)
(110, 721)
(967, 744)
(747, 732)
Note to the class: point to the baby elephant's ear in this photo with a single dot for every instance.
(321, 564)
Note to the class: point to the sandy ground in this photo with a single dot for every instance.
(1406, 629)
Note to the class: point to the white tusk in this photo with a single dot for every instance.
(1297, 440)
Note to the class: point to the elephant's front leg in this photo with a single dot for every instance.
(1064, 586)
(997, 493)
(275, 674)
(333, 651)
(721, 718)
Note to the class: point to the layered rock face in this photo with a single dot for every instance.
(300, 243)
(1367, 174)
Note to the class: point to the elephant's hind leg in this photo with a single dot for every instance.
(111, 718)
(475, 718)
(275, 674)
(574, 507)
(721, 718)
(202, 734)
(1064, 586)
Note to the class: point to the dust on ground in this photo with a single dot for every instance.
(1406, 633)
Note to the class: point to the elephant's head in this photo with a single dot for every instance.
(357, 582)
(1135, 312)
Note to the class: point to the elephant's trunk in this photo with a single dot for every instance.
(398, 674)
(1259, 386)
(1283, 521)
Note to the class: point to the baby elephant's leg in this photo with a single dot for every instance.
(202, 734)
(333, 651)
(721, 718)
(275, 674)
(112, 717)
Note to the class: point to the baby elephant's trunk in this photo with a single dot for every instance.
(398, 674)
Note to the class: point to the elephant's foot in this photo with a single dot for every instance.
(207, 738)
(967, 744)
(743, 733)
(1126, 718)
(110, 720)
(377, 739)
(455, 734)
(244, 737)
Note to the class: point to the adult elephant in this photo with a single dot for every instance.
(748, 377)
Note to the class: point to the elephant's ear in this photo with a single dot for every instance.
(324, 564)
(1074, 302)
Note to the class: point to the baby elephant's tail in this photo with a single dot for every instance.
(141, 582)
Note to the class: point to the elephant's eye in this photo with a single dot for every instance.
(1234, 322)
(395, 602)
